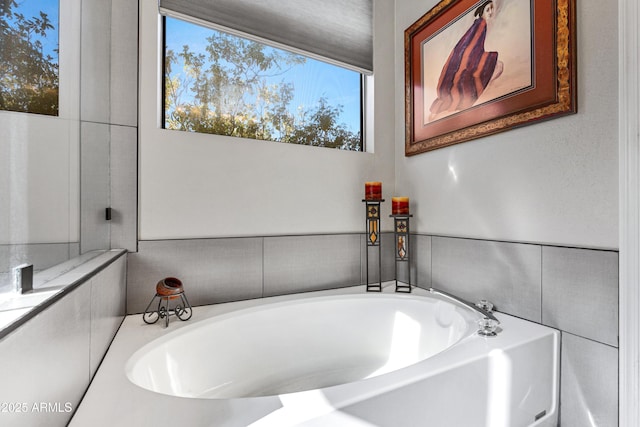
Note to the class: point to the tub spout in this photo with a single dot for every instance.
(488, 324)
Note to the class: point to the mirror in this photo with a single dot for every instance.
(51, 130)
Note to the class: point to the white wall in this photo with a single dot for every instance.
(554, 182)
(38, 179)
(196, 185)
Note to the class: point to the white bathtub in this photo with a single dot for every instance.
(359, 360)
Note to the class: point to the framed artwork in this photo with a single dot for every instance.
(474, 68)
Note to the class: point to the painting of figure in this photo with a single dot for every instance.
(484, 55)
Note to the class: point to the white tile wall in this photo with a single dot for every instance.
(108, 306)
(124, 63)
(49, 360)
(589, 383)
(124, 187)
(109, 117)
(46, 361)
(580, 289)
(95, 63)
(94, 191)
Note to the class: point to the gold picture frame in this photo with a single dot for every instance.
(458, 89)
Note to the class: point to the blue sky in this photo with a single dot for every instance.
(32, 8)
(312, 80)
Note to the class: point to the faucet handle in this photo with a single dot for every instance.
(487, 327)
(485, 305)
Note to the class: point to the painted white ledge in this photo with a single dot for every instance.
(629, 155)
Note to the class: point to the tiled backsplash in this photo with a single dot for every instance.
(311, 263)
(230, 269)
(580, 289)
(506, 274)
(571, 289)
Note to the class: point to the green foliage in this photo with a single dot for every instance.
(28, 77)
(320, 128)
(227, 92)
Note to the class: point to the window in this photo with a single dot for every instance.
(223, 84)
(29, 56)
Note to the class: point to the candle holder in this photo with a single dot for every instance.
(402, 251)
(373, 240)
(167, 290)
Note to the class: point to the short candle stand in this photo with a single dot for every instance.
(168, 289)
(373, 240)
(402, 252)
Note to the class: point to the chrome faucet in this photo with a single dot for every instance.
(487, 324)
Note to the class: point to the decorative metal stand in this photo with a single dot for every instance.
(403, 254)
(373, 240)
(169, 289)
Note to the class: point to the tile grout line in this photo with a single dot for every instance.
(541, 284)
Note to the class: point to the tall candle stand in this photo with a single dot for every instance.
(402, 252)
(373, 240)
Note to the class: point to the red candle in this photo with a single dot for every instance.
(400, 205)
(373, 190)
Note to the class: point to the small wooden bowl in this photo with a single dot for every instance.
(169, 286)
